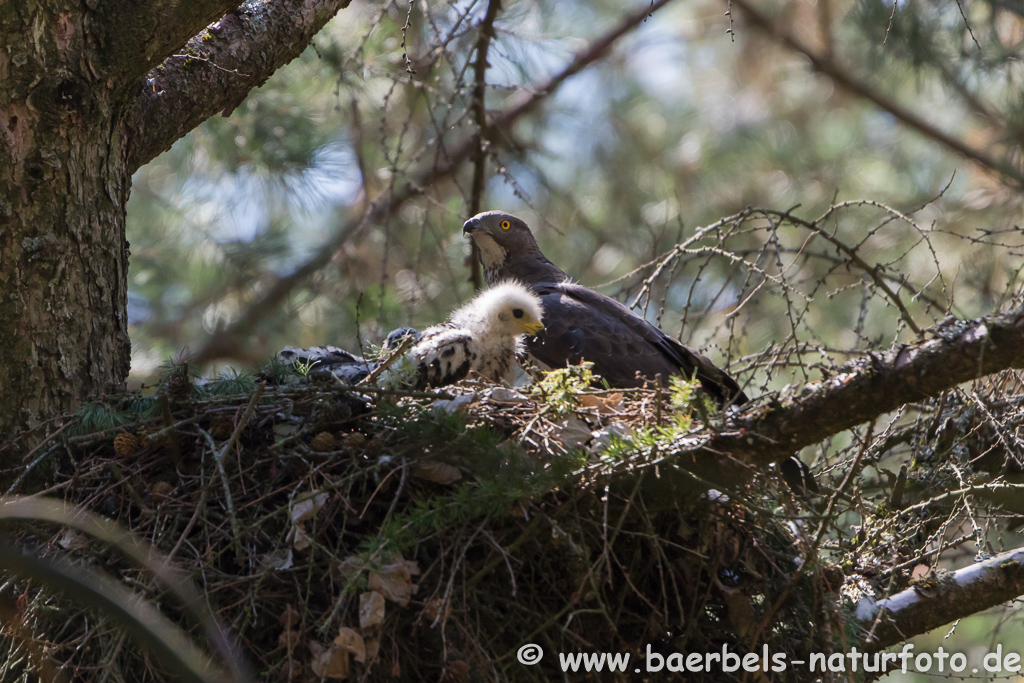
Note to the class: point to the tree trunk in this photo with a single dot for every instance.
(63, 254)
(87, 95)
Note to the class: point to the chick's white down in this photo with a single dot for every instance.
(480, 338)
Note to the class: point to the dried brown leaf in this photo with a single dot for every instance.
(329, 662)
(290, 617)
(349, 640)
(394, 582)
(438, 472)
(371, 610)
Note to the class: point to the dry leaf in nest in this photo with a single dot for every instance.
(603, 437)
(125, 444)
(308, 505)
(284, 429)
(329, 662)
(72, 540)
(291, 671)
(160, 491)
(298, 537)
(741, 612)
(432, 609)
(455, 671)
(685, 530)
(221, 428)
(438, 472)
(289, 638)
(371, 610)
(394, 581)
(572, 433)
(290, 617)
(322, 442)
(504, 395)
(372, 648)
(605, 405)
(349, 640)
(455, 405)
(277, 561)
(302, 510)
(349, 568)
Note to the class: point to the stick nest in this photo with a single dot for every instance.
(380, 534)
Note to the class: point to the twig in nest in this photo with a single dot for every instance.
(219, 459)
(377, 371)
(172, 435)
(42, 456)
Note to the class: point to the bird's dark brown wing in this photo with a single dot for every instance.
(581, 324)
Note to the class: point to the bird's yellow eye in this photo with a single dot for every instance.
(505, 225)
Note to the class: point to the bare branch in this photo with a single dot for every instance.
(828, 66)
(483, 44)
(871, 386)
(954, 595)
(225, 343)
(218, 68)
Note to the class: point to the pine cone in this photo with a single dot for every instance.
(161, 491)
(179, 386)
(352, 442)
(125, 444)
(322, 442)
(374, 446)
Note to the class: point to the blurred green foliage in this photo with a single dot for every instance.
(678, 126)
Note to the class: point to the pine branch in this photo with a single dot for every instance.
(868, 388)
(827, 65)
(217, 68)
(953, 596)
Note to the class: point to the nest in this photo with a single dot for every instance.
(390, 535)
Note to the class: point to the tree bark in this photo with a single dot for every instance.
(63, 280)
(865, 389)
(78, 115)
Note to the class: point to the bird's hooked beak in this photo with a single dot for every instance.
(532, 328)
(470, 226)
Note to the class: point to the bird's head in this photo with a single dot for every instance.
(509, 309)
(397, 337)
(499, 236)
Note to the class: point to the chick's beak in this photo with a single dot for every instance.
(532, 328)
(470, 226)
